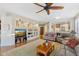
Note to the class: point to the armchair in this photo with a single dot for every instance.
(50, 36)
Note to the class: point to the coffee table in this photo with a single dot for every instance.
(43, 49)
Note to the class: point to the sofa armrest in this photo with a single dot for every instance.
(77, 50)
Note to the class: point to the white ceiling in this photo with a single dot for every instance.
(29, 10)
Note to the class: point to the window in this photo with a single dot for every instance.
(62, 27)
(77, 26)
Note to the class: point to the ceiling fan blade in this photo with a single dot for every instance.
(38, 4)
(40, 11)
(57, 7)
(48, 4)
(48, 12)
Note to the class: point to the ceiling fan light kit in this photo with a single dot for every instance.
(48, 7)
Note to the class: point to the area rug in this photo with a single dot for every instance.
(30, 49)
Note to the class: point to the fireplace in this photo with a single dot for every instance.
(20, 36)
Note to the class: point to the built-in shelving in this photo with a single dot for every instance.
(31, 28)
(32, 34)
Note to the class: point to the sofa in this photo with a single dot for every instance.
(69, 47)
(68, 50)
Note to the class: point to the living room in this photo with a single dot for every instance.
(24, 32)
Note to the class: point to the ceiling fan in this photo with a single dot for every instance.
(49, 6)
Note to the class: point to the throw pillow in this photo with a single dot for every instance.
(72, 43)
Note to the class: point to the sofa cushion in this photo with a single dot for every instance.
(72, 43)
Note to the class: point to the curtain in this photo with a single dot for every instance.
(77, 27)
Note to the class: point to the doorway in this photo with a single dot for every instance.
(41, 32)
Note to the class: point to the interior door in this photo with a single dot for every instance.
(41, 32)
